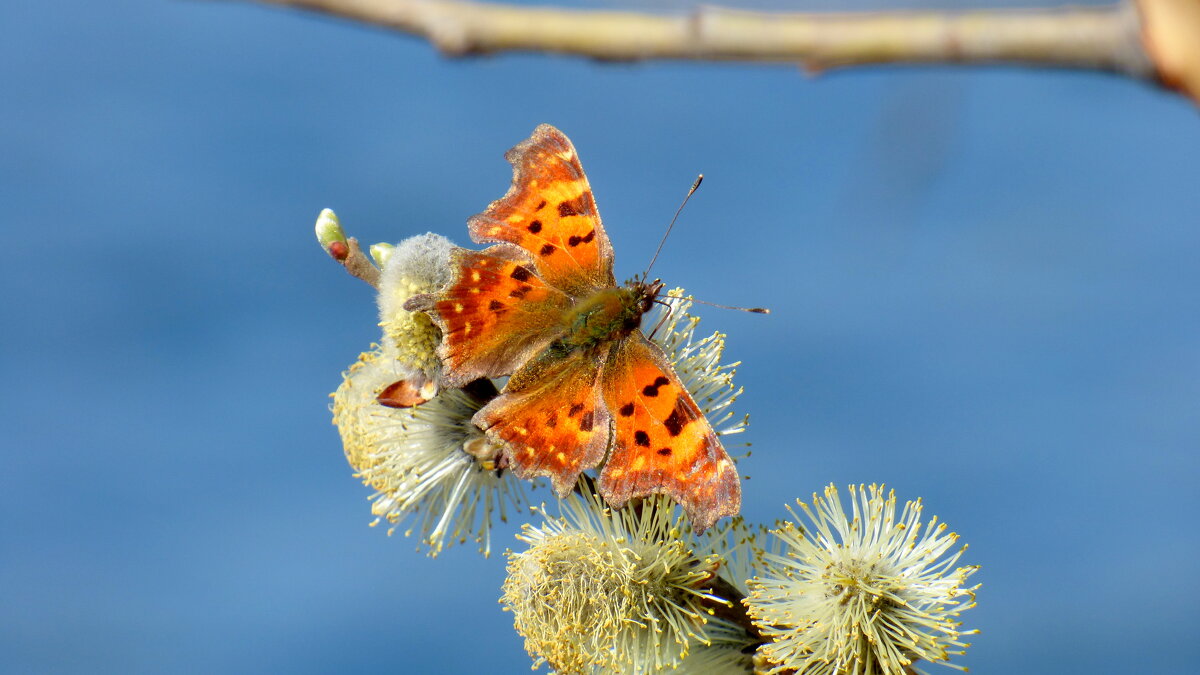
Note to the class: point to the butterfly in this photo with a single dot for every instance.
(541, 306)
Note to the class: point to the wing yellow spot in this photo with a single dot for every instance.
(573, 189)
(494, 230)
(566, 155)
(474, 290)
(475, 275)
(458, 308)
(521, 430)
(467, 328)
(562, 457)
(515, 218)
(616, 473)
(638, 463)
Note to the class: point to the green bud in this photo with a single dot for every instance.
(380, 253)
(329, 229)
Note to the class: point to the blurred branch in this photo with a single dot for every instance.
(1113, 38)
(1105, 38)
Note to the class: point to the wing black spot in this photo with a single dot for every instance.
(585, 422)
(535, 226)
(652, 388)
(663, 451)
(678, 419)
(574, 207)
(495, 305)
(641, 438)
(552, 420)
(627, 409)
(574, 240)
(540, 206)
(575, 410)
(520, 292)
(547, 249)
(589, 237)
(520, 273)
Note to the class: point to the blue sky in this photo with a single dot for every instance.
(983, 284)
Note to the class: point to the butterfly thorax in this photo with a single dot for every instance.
(608, 314)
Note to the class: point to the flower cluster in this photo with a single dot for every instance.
(869, 593)
(630, 591)
(427, 463)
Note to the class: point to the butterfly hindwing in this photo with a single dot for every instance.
(661, 440)
(549, 212)
(551, 418)
(495, 315)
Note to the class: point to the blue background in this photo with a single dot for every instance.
(984, 285)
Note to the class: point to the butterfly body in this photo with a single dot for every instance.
(608, 314)
(585, 385)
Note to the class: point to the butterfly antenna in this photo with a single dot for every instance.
(755, 310)
(699, 179)
(665, 315)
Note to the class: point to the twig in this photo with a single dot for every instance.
(1094, 38)
(351, 256)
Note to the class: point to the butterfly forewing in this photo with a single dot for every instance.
(550, 213)
(494, 317)
(661, 440)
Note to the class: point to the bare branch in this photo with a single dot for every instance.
(1094, 38)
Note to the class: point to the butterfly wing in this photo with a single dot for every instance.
(494, 316)
(661, 440)
(551, 419)
(550, 213)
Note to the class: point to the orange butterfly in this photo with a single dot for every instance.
(542, 306)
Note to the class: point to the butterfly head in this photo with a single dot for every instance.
(643, 294)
